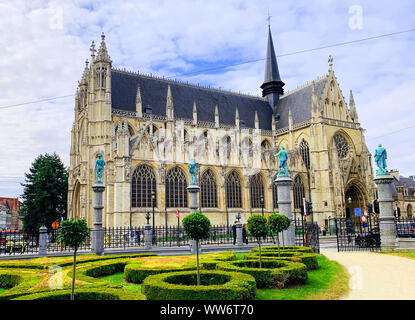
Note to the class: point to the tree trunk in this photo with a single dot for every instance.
(73, 275)
(197, 259)
(283, 244)
(260, 258)
(278, 243)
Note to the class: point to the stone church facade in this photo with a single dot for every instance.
(148, 129)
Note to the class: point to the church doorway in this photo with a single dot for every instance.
(355, 201)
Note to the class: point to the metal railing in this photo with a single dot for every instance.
(124, 237)
(54, 245)
(13, 242)
(405, 227)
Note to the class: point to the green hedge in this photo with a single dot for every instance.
(163, 286)
(135, 273)
(285, 248)
(219, 256)
(8, 280)
(84, 294)
(273, 274)
(20, 283)
(309, 259)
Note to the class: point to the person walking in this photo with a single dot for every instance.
(234, 232)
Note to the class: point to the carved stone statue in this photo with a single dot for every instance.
(380, 158)
(99, 169)
(282, 164)
(192, 170)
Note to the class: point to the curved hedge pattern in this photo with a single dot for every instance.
(161, 286)
(285, 248)
(273, 274)
(309, 259)
(135, 273)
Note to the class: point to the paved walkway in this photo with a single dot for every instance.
(375, 276)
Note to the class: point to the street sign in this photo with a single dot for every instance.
(363, 219)
(177, 213)
(55, 225)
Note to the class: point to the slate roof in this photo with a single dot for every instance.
(154, 93)
(299, 101)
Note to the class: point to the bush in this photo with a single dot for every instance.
(135, 273)
(84, 294)
(273, 274)
(18, 284)
(231, 286)
(8, 280)
(309, 259)
(286, 248)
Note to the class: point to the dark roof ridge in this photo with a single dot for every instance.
(305, 85)
(175, 81)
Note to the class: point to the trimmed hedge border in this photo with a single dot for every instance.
(239, 287)
(135, 273)
(273, 271)
(309, 259)
(286, 249)
(8, 280)
(84, 294)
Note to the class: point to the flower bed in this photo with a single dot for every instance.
(273, 274)
(215, 285)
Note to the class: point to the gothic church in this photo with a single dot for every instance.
(148, 129)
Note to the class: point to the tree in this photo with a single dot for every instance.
(72, 233)
(258, 227)
(197, 226)
(278, 223)
(45, 193)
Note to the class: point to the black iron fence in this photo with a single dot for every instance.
(54, 245)
(123, 237)
(14, 242)
(307, 234)
(355, 235)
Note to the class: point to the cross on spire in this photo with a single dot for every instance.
(269, 19)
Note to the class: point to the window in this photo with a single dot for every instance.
(256, 190)
(233, 191)
(142, 185)
(208, 190)
(299, 192)
(176, 193)
(341, 145)
(305, 153)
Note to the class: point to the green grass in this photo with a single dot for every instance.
(118, 278)
(328, 282)
(406, 254)
(2, 290)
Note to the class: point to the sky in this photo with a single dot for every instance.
(44, 45)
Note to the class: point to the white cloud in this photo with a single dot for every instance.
(45, 43)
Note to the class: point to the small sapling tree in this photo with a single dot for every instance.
(258, 227)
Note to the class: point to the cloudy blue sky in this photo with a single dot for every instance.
(44, 45)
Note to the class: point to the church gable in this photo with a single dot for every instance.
(333, 103)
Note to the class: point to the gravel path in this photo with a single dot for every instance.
(375, 276)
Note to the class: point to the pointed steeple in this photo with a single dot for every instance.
(169, 104)
(194, 113)
(216, 116)
(256, 120)
(84, 80)
(237, 118)
(138, 103)
(103, 55)
(352, 105)
(272, 87)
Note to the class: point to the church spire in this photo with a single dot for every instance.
(272, 87)
(103, 55)
(352, 105)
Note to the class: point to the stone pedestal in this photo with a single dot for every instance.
(148, 235)
(193, 189)
(387, 226)
(239, 235)
(43, 234)
(98, 230)
(284, 207)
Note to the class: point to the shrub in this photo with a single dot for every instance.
(231, 286)
(84, 294)
(286, 248)
(135, 273)
(272, 274)
(309, 259)
(258, 227)
(8, 280)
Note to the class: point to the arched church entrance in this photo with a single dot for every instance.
(355, 200)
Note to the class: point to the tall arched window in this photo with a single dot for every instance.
(274, 194)
(209, 190)
(305, 153)
(233, 191)
(176, 193)
(256, 190)
(341, 144)
(143, 183)
(299, 192)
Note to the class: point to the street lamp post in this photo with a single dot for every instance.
(262, 204)
(153, 200)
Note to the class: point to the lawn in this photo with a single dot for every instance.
(2, 290)
(328, 282)
(405, 254)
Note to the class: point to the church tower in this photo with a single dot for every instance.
(272, 87)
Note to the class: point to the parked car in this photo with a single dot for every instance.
(405, 229)
(15, 243)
